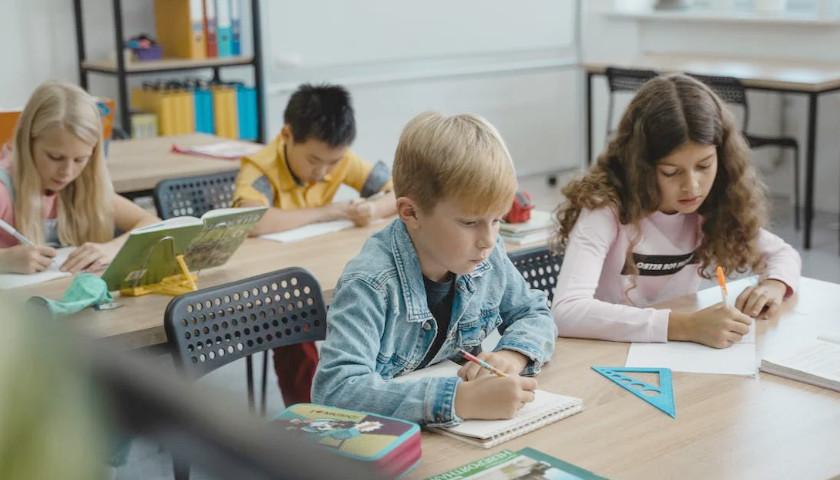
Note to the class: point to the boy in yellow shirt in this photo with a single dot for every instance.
(297, 175)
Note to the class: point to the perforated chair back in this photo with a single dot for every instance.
(729, 89)
(212, 327)
(194, 195)
(624, 80)
(539, 267)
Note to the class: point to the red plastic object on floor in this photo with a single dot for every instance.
(520, 211)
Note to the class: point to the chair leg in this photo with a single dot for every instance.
(264, 381)
(797, 210)
(180, 469)
(249, 374)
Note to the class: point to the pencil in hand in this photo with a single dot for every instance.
(721, 278)
(472, 358)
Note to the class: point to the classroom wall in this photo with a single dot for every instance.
(515, 65)
(612, 39)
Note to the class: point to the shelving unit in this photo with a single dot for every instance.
(121, 70)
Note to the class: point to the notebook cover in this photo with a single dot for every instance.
(526, 463)
(363, 436)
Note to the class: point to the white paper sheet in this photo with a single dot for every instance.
(739, 359)
(15, 280)
(308, 231)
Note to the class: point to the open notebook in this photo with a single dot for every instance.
(816, 361)
(546, 408)
(15, 280)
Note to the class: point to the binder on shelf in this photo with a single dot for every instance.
(246, 110)
(203, 108)
(172, 103)
(235, 28)
(210, 28)
(180, 28)
(224, 30)
(224, 110)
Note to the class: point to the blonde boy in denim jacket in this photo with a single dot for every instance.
(434, 281)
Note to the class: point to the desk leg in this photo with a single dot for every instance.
(589, 118)
(810, 154)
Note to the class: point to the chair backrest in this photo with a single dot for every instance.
(623, 80)
(212, 327)
(539, 267)
(194, 196)
(627, 79)
(729, 89)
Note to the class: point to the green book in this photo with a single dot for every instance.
(148, 255)
(525, 464)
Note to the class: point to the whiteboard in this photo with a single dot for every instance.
(341, 32)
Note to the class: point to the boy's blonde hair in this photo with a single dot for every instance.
(460, 157)
(84, 209)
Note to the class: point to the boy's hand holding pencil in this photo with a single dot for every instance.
(500, 364)
(491, 392)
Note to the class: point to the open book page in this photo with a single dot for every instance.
(816, 361)
(214, 215)
(224, 231)
(15, 280)
(169, 223)
(308, 231)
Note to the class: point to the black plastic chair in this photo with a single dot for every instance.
(539, 267)
(623, 80)
(732, 91)
(215, 326)
(194, 196)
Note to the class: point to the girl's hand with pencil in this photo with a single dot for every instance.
(26, 258)
(762, 300)
(718, 326)
(507, 362)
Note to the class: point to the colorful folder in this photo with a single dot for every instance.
(210, 28)
(224, 30)
(180, 28)
(224, 110)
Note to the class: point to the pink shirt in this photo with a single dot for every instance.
(7, 209)
(594, 299)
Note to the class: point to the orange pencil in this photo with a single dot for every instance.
(721, 278)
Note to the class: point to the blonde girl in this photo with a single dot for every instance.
(55, 189)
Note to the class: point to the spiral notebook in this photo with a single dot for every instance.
(546, 408)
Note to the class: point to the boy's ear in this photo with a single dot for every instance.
(407, 210)
(286, 134)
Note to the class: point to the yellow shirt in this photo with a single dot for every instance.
(265, 178)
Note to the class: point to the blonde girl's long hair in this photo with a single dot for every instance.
(84, 208)
(667, 112)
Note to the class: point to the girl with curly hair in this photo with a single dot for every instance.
(673, 196)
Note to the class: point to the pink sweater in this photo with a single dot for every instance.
(592, 298)
(7, 208)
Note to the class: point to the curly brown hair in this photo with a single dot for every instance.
(667, 112)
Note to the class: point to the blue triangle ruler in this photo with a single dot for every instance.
(661, 397)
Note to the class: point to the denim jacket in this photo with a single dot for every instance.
(379, 327)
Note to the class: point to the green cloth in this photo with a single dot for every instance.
(86, 290)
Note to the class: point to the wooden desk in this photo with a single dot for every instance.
(726, 426)
(139, 322)
(809, 78)
(136, 166)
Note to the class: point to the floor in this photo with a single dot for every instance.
(146, 461)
